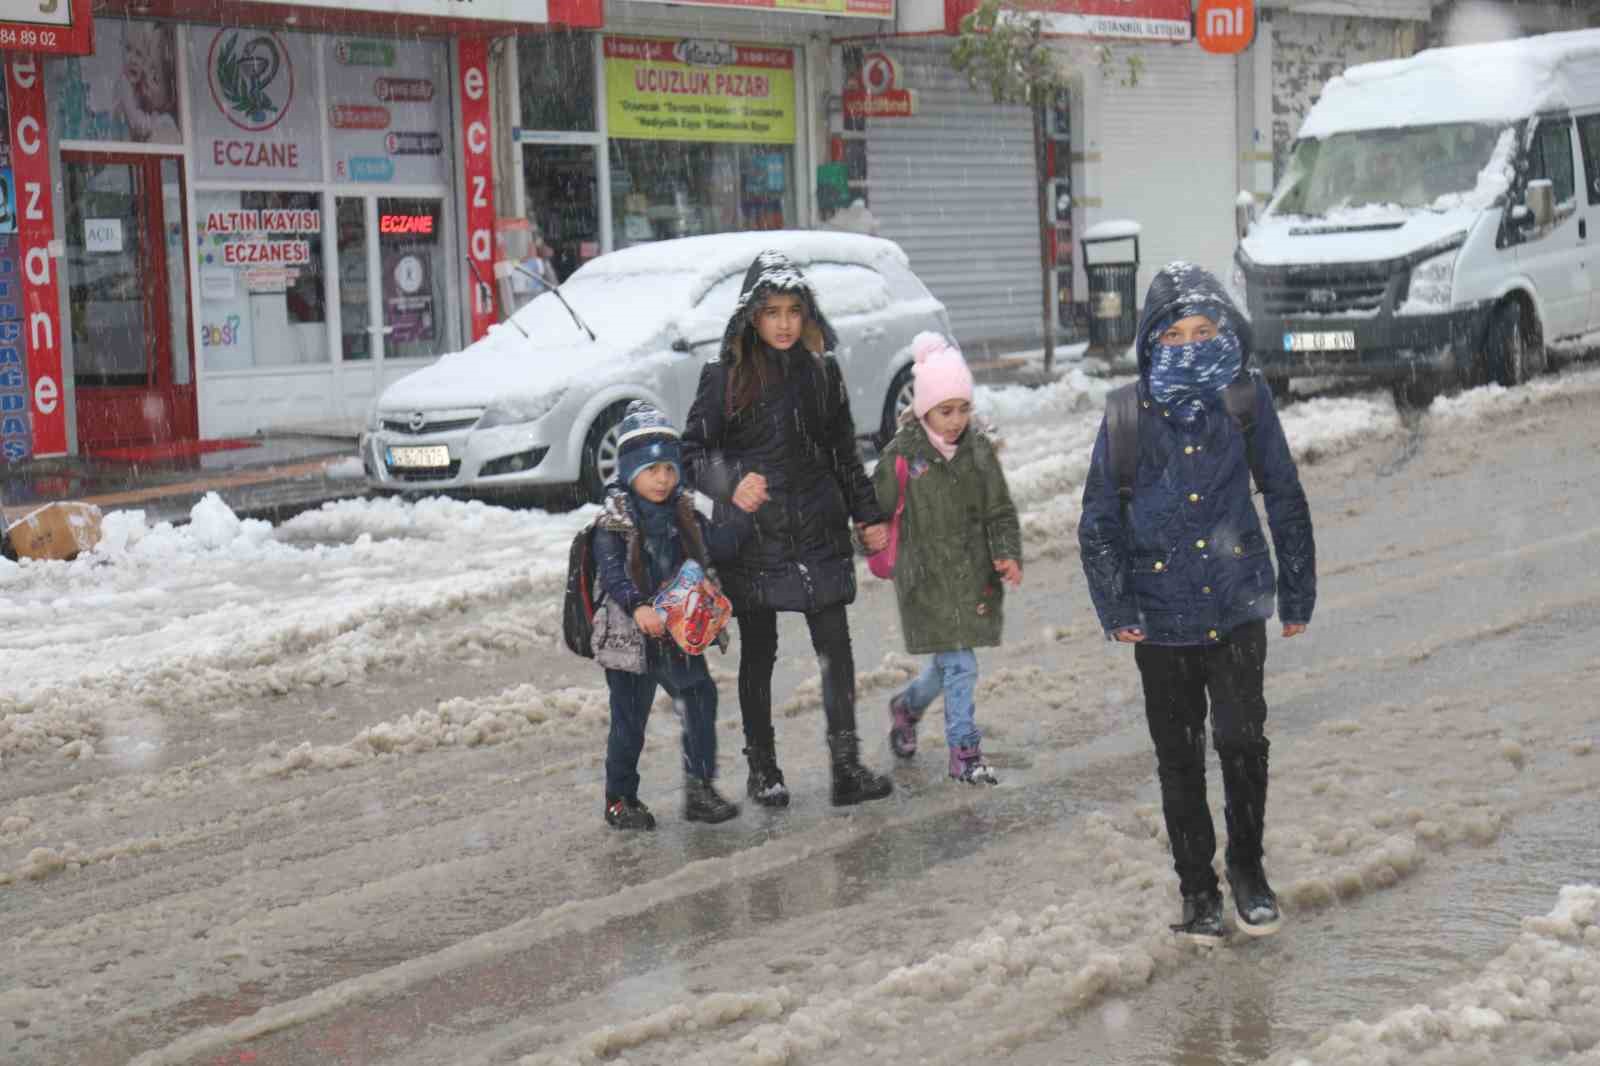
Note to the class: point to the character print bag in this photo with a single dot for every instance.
(881, 563)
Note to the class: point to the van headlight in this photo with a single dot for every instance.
(518, 411)
(1431, 282)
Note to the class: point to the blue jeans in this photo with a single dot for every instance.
(631, 697)
(955, 673)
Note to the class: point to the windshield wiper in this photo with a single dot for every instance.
(556, 292)
(478, 274)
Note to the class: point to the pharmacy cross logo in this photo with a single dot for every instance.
(252, 78)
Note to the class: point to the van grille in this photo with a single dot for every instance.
(1324, 290)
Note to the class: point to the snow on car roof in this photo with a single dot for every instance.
(716, 256)
(1498, 82)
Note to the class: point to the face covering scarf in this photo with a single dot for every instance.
(1184, 378)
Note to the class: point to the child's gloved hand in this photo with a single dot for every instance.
(650, 620)
(1010, 571)
(750, 493)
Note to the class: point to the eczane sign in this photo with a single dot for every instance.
(48, 27)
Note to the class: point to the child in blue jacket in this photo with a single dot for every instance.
(1182, 572)
(649, 527)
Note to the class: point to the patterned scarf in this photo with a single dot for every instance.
(1185, 378)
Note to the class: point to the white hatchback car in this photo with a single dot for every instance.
(537, 402)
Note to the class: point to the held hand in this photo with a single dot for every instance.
(876, 538)
(1130, 635)
(650, 621)
(1293, 629)
(750, 493)
(1010, 571)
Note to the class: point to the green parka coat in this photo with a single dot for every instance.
(958, 520)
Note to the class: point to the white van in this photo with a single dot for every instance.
(1433, 225)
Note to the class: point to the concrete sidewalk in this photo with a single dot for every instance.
(275, 479)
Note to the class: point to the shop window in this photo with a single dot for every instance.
(126, 91)
(563, 205)
(411, 250)
(666, 189)
(388, 110)
(557, 75)
(261, 279)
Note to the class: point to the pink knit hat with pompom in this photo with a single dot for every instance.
(940, 373)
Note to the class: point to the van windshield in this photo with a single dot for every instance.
(1417, 167)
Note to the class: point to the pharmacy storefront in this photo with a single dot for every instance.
(679, 120)
(259, 226)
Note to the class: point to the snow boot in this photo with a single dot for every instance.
(628, 813)
(702, 803)
(1202, 919)
(967, 765)
(1254, 899)
(852, 782)
(765, 785)
(903, 727)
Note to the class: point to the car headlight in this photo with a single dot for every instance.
(1431, 282)
(518, 411)
(1239, 288)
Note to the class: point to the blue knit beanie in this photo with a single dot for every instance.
(645, 438)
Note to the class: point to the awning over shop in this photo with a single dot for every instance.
(1145, 20)
(371, 16)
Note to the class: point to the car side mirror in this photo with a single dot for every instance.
(680, 345)
(1541, 201)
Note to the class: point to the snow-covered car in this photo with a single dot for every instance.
(537, 400)
(1432, 224)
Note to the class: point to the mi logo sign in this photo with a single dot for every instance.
(1225, 26)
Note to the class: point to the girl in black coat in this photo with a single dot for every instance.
(770, 427)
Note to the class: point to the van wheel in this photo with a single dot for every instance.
(599, 463)
(899, 398)
(1513, 349)
(1415, 393)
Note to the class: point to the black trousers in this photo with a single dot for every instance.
(1177, 682)
(758, 653)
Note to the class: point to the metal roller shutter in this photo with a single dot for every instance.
(1167, 155)
(954, 186)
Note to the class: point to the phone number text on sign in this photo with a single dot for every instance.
(63, 27)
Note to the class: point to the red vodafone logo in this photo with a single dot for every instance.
(1225, 26)
(880, 73)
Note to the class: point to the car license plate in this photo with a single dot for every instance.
(431, 457)
(1329, 341)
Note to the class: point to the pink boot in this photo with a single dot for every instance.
(903, 730)
(967, 765)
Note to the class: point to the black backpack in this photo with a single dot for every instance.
(582, 596)
(1122, 431)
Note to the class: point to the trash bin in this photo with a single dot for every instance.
(1113, 275)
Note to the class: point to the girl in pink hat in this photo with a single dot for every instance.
(960, 543)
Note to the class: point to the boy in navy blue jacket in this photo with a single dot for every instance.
(649, 527)
(1181, 571)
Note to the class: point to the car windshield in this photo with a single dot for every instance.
(624, 310)
(1418, 167)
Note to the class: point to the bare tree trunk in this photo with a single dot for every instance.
(1046, 236)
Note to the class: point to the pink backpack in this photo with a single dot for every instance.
(881, 563)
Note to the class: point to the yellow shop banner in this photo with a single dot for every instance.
(661, 89)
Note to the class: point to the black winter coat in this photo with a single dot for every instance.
(799, 435)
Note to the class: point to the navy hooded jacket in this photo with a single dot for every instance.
(1195, 564)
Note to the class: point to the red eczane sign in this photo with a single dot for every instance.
(478, 167)
(415, 225)
(66, 29)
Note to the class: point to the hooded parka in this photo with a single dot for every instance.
(1194, 564)
(959, 519)
(797, 433)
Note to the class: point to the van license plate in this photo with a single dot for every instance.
(1332, 341)
(432, 457)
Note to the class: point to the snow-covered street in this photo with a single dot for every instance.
(330, 793)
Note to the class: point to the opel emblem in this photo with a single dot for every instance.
(417, 422)
(1322, 296)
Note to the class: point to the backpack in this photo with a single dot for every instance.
(583, 593)
(1122, 431)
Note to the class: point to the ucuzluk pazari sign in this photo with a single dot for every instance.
(692, 90)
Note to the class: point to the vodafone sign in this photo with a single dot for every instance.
(1225, 26)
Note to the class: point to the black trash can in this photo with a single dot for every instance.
(1113, 275)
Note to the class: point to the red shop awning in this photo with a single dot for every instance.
(441, 17)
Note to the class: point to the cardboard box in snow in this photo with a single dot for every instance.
(56, 531)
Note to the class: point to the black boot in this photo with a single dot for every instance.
(702, 803)
(765, 785)
(1254, 899)
(1202, 919)
(626, 812)
(852, 782)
